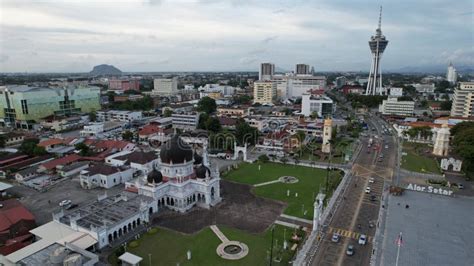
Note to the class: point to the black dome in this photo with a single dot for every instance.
(154, 176)
(201, 171)
(176, 150)
(197, 158)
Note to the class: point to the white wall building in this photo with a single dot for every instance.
(463, 100)
(396, 92)
(321, 105)
(185, 121)
(98, 128)
(392, 106)
(165, 87)
(264, 92)
(293, 86)
(105, 176)
(424, 88)
(115, 115)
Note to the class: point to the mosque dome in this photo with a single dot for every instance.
(154, 176)
(202, 171)
(176, 151)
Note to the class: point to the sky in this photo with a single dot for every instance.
(230, 35)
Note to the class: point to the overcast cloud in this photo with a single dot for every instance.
(219, 35)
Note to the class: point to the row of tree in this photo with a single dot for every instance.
(463, 145)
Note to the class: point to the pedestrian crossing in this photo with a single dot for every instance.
(345, 233)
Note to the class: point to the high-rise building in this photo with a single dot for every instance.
(377, 44)
(294, 86)
(165, 87)
(264, 92)
(463, 100)
(340, 81)
(122, 85)
(267, 70)
(22, 106)
(302, 69)
(451, 75)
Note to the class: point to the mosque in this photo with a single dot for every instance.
(181, 179)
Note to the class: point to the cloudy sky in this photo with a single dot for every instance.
(210, 35)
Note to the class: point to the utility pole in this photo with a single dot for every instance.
(271, 248)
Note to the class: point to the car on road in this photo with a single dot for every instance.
(362, 239)
(335, 238)
(65, 203)
(367, 190)
(371, 180)
(350, 250)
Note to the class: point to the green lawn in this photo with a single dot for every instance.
(169, 247)
(310, 181)
(417, 160)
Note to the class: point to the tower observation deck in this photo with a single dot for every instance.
(377, 44)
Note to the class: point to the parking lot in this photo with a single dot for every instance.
(43, 204)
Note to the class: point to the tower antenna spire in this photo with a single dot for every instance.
(380, 18)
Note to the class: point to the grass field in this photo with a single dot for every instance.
(310, 182)
(416, 161)
(169, 247)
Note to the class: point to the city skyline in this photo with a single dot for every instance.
(73, 36)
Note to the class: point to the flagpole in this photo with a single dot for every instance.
(399, 242)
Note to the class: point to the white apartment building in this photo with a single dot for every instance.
(97, 128)
(105, 176)
(165, 87)
(123, 116)
(463, 100)
(264, 92)
(185, 121)
(321, 105)
(392, 106)
(224, 89)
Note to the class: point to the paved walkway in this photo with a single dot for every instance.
(267, 183)
(219, 234)
(297, 219)
(287, 224)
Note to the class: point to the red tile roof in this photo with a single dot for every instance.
(12, 212)
(61, 161)
(50, 142)
(149, 129)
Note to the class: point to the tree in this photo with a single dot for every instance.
(38, 150)
(300, 135)
(207, 105)
(84, 150)
(127, 135)
(92, 117)
(28, 146)
(463, 145)
(442, 86)
(213, 124)
(446, 105)
(263, 158)
(168, 112)
(244, 133)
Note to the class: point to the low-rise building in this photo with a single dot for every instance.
(232, 112)
(122, 116)
(12, 138)
(185, 121)
(123, 85)
(105, 176)
(392, 106)
(264, 92)
(165, 87)
(320, 105)
(97, 128)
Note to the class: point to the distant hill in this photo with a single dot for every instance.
(105, 70)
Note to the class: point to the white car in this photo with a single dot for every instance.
(386, 146)
(335, 238)
(362, 239)
(371, 180)
(367, 190)
(64, 203)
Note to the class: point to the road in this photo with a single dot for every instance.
(357, 208)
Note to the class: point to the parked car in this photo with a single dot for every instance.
(335, 237)
(371, 180)
(64, 203)
(367, 190)
(350, 250)
(362, 239)
(460, 186)
(373, 197)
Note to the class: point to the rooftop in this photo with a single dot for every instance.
(436, 230)
(107, 212)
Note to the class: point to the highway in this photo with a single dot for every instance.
(359, 210)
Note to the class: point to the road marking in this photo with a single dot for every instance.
(349, 234)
